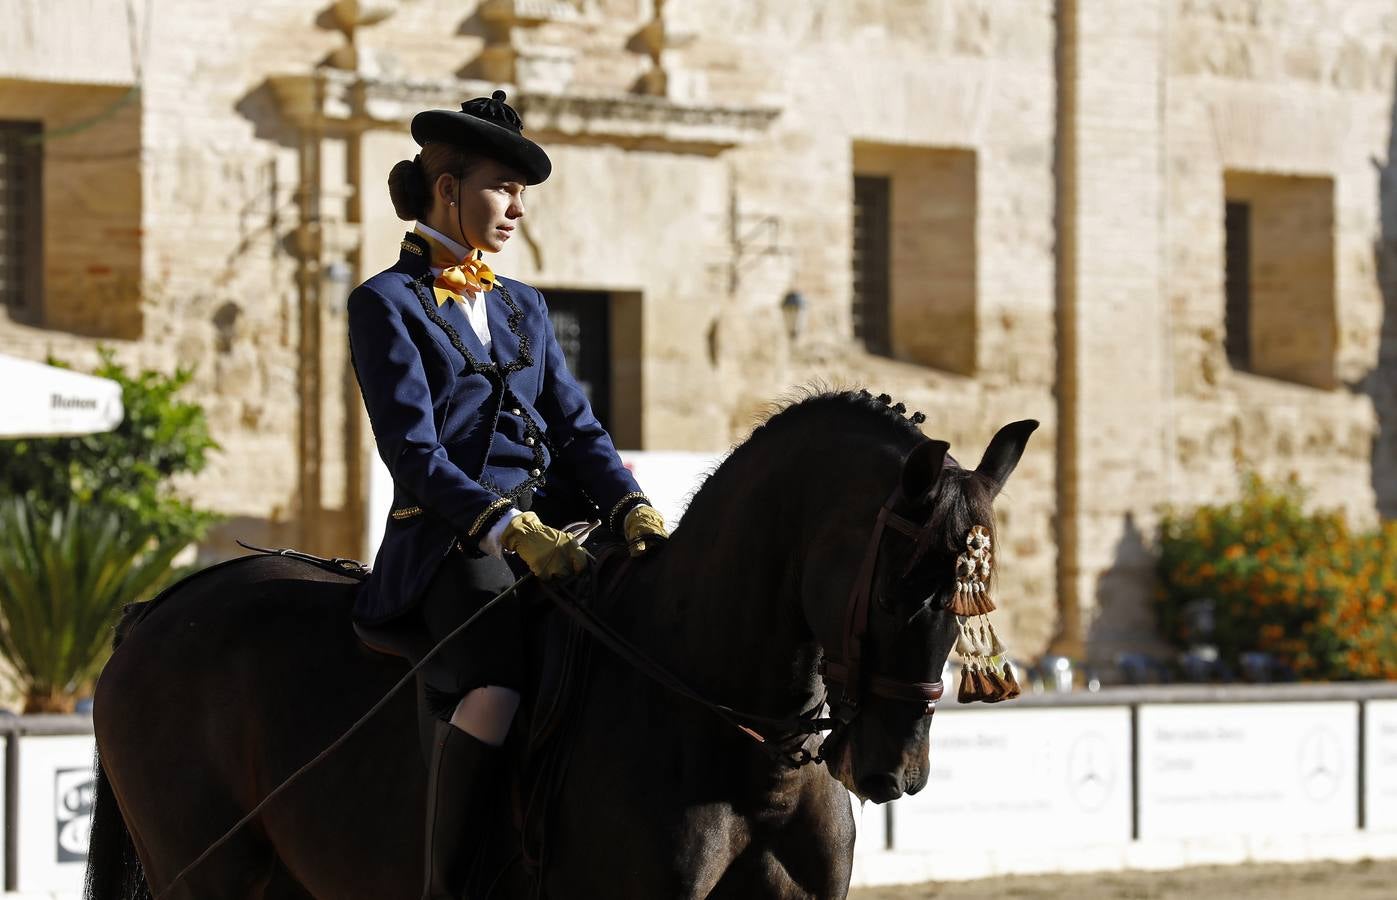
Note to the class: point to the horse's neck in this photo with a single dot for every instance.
(725, 595)
(730, 621)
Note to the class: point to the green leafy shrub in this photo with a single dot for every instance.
(64, 578)
(1301, 585)
(89, 524)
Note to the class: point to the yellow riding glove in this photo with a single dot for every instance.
(644, 522)
(548, 552)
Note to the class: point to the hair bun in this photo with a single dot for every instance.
(407, 188)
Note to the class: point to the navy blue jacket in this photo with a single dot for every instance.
(466, 433)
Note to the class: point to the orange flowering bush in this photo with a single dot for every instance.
(1300, 585)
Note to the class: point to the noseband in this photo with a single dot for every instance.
(845, 671)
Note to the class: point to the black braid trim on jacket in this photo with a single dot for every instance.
(421, 286)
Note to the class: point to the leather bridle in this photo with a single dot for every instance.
(844, 674)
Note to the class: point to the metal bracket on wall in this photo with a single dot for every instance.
(753, 237)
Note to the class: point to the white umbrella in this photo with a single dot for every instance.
(38, 400)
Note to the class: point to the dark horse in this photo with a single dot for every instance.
(224, 685)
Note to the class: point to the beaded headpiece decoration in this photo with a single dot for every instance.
(985, 675)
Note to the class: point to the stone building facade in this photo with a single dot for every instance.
(1164, 228)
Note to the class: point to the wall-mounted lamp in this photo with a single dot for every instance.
(793, 311)
(335, 284)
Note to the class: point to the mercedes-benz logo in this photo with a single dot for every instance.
(1091, 773)
(1320, 764)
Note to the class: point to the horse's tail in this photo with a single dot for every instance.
(113, 869)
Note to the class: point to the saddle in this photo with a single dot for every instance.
(558, 647)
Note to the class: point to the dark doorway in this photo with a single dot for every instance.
(582, 321)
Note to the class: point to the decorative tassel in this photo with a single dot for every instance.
(1011, 682)
(964, 695)
(978, 644)
(984, 686)
(998, 687)
(964, 645)
(996, 648)
(960, 601)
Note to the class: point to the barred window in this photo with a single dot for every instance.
(872, 289)
(914, 254)
(21, 204)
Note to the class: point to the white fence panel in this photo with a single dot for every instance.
(1380, 765)
(1022, 778)
(1248, 769)
(54, 815)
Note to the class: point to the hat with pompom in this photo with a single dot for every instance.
(488, 126)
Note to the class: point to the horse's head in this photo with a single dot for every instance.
(908, 576)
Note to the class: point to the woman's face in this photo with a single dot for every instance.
(489, 205)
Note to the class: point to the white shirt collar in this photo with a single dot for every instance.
(461, 251)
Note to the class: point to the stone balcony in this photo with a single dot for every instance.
(337, 101)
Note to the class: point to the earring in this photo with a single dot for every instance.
(453, 202)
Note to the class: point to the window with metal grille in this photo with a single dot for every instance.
(582, 322)
(871, 289)
(1237, 318)
(21, 200)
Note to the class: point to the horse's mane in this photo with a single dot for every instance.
(814, 400)
(811, 402)
(964, 498)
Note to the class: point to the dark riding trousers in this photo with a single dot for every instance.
(491, 651)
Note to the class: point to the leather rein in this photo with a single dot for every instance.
(773, 735)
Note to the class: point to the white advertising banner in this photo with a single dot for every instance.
(54, 812)
(1248, 769)
(1380, 765)
(1041, 777)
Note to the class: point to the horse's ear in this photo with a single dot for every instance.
(922, 468)
(1003, 453)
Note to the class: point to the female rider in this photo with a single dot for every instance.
(476, 415)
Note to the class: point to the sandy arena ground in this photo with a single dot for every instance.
(1365, 880)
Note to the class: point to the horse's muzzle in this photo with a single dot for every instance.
(880, 787)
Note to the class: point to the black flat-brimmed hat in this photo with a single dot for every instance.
(488, 126)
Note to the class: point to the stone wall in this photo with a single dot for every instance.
(1281, 90)
(704, 155)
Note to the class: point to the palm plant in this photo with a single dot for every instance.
(65, 575)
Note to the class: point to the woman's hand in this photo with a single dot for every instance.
(645, 529)
(548, 552)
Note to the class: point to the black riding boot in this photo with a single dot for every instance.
(460, 775)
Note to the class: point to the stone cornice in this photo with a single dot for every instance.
(333, 100)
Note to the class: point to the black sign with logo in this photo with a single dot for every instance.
(73, 791)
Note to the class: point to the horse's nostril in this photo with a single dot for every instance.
(880, 788)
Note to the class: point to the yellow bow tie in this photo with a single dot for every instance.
(458, 276)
